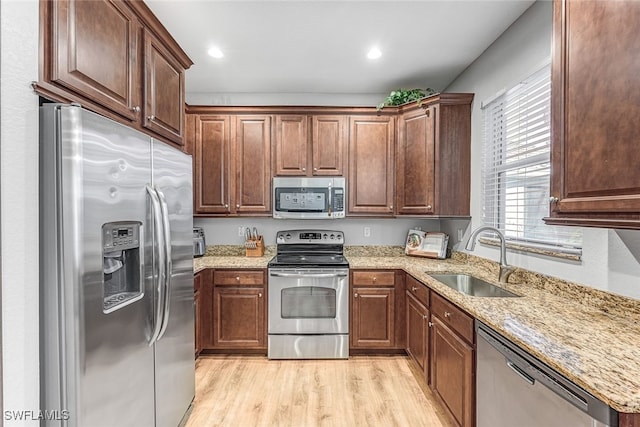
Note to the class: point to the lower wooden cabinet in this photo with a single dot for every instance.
(377, 310)
(197, 284)
(417, 328)
(239, 310)
(452, 371)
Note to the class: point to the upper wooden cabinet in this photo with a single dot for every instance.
(595, 105)
(252, 159)
(114, 57)
(163, 90)
(309, 145)
(371, 165)
(209, 141)
(433, 157)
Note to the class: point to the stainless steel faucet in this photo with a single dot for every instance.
(505, 269)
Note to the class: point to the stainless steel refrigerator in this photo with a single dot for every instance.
(116, 274)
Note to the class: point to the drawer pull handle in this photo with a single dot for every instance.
(237, 278)
(447, 314)
(374, 278)
(413, 288)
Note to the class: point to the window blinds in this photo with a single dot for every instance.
(516, 166)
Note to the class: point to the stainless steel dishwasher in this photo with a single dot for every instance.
(513, 388)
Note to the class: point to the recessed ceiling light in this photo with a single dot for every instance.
(374, 53)
(215, 52)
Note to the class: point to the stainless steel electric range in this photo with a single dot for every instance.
(309, 296)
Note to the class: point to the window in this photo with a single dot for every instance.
(516, 167)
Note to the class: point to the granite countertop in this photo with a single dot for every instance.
(590, 336)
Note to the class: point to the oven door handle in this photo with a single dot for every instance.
(310, 275)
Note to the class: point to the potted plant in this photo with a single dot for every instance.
(402, 96)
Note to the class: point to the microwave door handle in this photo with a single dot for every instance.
(159, 238)
(330, 204)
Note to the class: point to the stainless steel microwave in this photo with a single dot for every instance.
(309, 198)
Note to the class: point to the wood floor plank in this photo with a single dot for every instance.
(362, 391)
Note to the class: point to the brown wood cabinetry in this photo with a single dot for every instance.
(197, 284)
(417, 323)
(114, 57)
(301, 152)
(203, 286)
(231, 163)
(239, 310)
(377, 311)
(434, 156)
(595, 105)
(371, 165)
(452, 360)
(210, 139)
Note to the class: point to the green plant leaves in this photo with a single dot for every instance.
(402, 96)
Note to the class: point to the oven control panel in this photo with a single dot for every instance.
(310, 236)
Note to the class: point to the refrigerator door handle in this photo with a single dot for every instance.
(168, 263)
(156, 212)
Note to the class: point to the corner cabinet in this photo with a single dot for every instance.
(595, 105)
(433, 160)
(114, 57)
(371, 165)
(239, 310)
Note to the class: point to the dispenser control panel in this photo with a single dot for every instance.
(120, 236)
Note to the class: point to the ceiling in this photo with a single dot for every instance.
(309, 46)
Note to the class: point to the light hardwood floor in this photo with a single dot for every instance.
(361, 391)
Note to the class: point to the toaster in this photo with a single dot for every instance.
(199, 243)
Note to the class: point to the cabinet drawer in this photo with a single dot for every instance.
(237, 277)
(452, 316)
(418, 290)
(368, 278)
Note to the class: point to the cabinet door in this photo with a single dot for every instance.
(415, 163)
(239, 317)
(291, 145)
(211, 170)
(163, 91)
(595, 106)
(328, 145)
(452, 378)
(418, 333)
(371, 163)
(372, 324)
(96, 52)
(252, 153)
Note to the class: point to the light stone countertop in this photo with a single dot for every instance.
(590, 336)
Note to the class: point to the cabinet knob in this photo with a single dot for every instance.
(374, 278)
(429, 207)
(259, 294)
(355, 295)
(391, 207)
(226, 205)
(413, 288)
(430, 324)
(136, 109)
(238, 206)
(553, 199)
(447, 314)
(424, 317)
(151, 118)
(315, 169)
(304, 169)
(237, 278)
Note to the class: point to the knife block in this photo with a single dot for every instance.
(254, 247)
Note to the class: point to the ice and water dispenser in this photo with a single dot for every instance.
(122, 259)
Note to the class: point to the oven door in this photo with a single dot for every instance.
(308, 301)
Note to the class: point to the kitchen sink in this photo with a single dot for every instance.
(471, 285)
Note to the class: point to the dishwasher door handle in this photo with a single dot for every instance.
(522, 374)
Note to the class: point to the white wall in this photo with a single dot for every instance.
(224, 231)
(19, 189)
(611, 259)
(251, 99)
